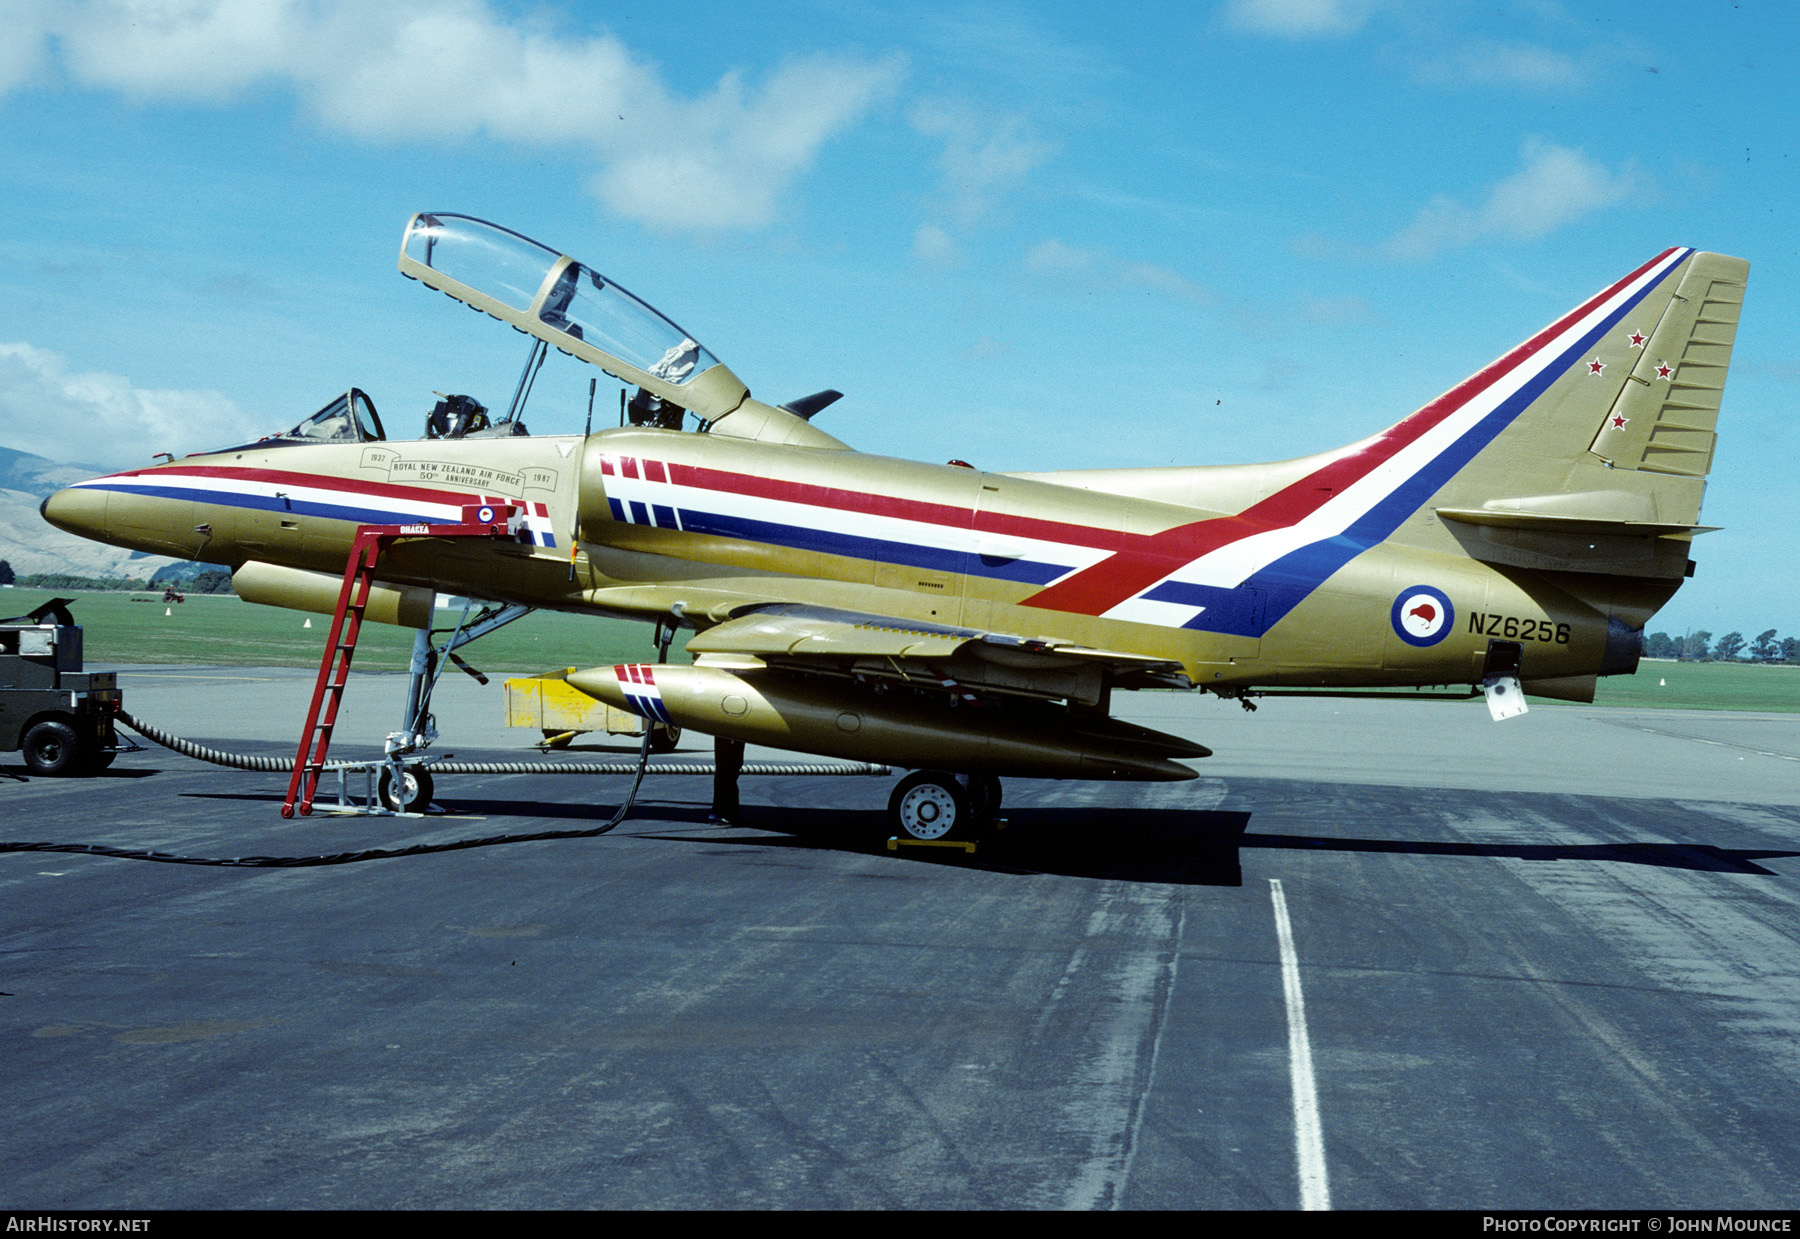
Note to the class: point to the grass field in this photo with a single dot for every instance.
(1704, 686)
(214, 629)
(222, 630)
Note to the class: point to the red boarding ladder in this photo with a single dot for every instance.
(488, 520)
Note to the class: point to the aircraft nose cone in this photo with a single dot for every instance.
(77, 510)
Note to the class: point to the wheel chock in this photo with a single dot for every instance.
(895, 843)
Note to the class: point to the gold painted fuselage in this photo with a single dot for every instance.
(721, 524)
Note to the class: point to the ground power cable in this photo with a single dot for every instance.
(280, 765)
(275, 765)
(345, 858)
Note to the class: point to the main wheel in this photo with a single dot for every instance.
(929, 805)
(415, 789)
(52, 748)
(984, 797)
(664, 737)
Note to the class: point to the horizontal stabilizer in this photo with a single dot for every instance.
(1612, 533)
(1574, 526)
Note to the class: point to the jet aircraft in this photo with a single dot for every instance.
(1516, 532)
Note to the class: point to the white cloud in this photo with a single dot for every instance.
(1555, 186)
(445, 69)
(724, 161)
(1492, 63)
(180, 49)
(935, 247)
(1080, 268)
(23, 38)
(99, 418)
(1436, 42)
(984, 156)
(1298, 19)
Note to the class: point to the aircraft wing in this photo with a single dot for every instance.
(823, 640)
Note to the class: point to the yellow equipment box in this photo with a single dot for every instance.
(548, 702)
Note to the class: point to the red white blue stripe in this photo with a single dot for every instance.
(316, 495)
(1280, 550)
(1235, 574)
(642, 695)
(832, 521)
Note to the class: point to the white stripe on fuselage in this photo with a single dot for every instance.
(403, 510)
(876, 526)
(1231, 565)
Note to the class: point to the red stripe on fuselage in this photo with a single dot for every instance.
(1125, 575)
(313, 481)
(925, 512)
(1139, 561)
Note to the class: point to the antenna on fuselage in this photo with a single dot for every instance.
(590, 421)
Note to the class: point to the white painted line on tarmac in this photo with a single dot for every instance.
(1717, 744)
(1309, 1137)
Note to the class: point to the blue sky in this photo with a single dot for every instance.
(1030, 236)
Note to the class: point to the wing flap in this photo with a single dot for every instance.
(934, 655)
(787, 629)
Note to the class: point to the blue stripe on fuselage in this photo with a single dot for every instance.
(270, 503)
(1290, 580)
(883, 550)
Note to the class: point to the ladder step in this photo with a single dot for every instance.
(334, 670)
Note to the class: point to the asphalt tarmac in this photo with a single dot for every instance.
(1547, 963)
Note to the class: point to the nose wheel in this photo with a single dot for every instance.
(412, 795)
(932, 804)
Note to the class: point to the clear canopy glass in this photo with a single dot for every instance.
(348, 419)
(490, 259)
(586, 305)
(582, 303)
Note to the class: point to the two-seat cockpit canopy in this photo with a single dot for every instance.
(566, 297)
(567, 305)
(561, 303)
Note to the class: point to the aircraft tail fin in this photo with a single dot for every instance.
(1583, 450)
(1608, 416)
(1665, 416)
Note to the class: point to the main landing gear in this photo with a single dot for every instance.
(933, 805)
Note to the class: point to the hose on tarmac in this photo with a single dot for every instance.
(275, 765)
(280, 765)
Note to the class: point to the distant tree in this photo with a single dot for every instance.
(1790, 650)
(1730, 645)
(6, 573)
(1660, 645)
(1696, 647)
(62, 580)
(1765, 649)
(212, 581)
